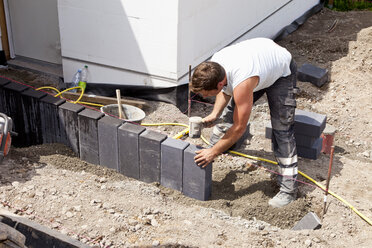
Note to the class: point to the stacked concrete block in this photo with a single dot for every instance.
(3, 82)
(50, 124)
(308, 129)
(172, 151)
(88, 135)
(150, 155)
(197, 181)
(68, 117)
(128, 141)
(31, 116)
(13, 108)
(312, 74)
(108, 141)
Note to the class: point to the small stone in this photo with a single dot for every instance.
(155, 243)
(111, 211)
(15, 184)
(77, 208)
(84, 226)
(316, 240)
(102, 180)
(154, 222)
(112, 230)
(138, 227)
(333, 235)
(69, 214)
(308, 243)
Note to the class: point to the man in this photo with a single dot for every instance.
(238, 75)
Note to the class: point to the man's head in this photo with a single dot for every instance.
(207, 77)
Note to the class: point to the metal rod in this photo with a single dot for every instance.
(328, 179)
(189, 95)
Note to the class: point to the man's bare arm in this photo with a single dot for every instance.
(243, 97)
(220, 103)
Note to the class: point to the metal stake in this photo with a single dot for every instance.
(189, 96)
(328, 179)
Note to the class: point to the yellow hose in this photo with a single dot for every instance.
(305, 176)
(48, 87)
(181, 134)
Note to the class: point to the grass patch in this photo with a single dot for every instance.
(346, 5)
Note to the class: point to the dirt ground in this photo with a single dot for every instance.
(102, 208)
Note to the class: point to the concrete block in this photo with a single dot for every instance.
(309, 123)
(312, 152)
(150, 154)
(128, 141)
(310, 221)
(31, 115)
(172, 151)
(68, 118)
(88, 135)
(312, 74)
(301, 140)
(108, 141)
(13, 108)
(49, 118)
(197, 181)
(3, 82)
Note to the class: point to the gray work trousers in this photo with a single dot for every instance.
(282, 104)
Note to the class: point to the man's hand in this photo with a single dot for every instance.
(204, 157)
(209, 120)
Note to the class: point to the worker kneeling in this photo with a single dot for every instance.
(239, 75)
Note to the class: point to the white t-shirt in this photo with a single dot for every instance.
(260, 57)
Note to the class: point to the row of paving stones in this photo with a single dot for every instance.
(128, 148)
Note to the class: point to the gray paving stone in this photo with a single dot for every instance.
(13, 108)
(50, 118)
(68, 117)
(312, 74)
(128, 138)
(150, 155)
(108, 141)
(310, 221)
(309, 123)
(31, 115)
(197, 181)
(172, 151)
(301, 140)
(312, 152)
(88, 135)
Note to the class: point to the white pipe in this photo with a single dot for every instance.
(9, 29)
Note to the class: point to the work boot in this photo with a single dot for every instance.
(282, 199)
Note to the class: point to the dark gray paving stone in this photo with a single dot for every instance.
(172, 151)
(150, 155)
(313, 74)
(3, 82)
(50, 118)
(312, 152)
(13, 108)
(31, 115)
(68, 117)
(108, 141)
(88, 135)
(128, 138)
(301, 140)
(310, 221)
(309, 123)
(197, 181)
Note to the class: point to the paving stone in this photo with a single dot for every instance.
(309, 221)
(301, 140)
(150, 155)
(128, 138)
(31, 115)
(312, 152)
(312, 74)
(108, 141)
(309, 123)
(13, 108)
(49, 118)
(172, 151)
(3, 82)
(197, 181)
(68, 117)
(88, 135)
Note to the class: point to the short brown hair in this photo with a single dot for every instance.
(206, 76)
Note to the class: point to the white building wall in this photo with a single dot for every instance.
(148, 42)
